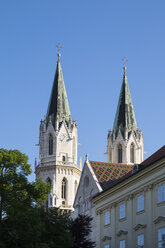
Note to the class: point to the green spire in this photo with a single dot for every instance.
(58, 108)
(125, 116)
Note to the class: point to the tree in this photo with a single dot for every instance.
(24, 223)
(81, 228)
(58, 232)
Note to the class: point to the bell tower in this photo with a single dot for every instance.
(125, 141)
(58, 142)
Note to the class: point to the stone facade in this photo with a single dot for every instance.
(58, 142)
(88, 187)
(125, 142)
(132, 144)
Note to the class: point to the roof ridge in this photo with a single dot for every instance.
(159, 154)
(129, 165)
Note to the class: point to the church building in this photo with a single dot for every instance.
(58, 148)
(124, 150)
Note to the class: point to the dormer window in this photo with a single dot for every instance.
(50, 144)
(63, 159)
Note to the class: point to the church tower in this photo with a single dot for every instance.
(58, 147)
(125, 142)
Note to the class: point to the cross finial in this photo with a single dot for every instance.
(125, 60)
(59, 47)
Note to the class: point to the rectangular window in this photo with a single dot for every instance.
(106, 246)
(122, 211)
(161, 193)
(140, 241)
(122, 243)
(140, 203)
(161, 237)
(107, 218)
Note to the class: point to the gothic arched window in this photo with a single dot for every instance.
(119, 151)
(132, 153)
(63, 189)
(50, 144)
(49, 180)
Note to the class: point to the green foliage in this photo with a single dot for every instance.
(81, 228)
(24, 223)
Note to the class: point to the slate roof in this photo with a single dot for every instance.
(125, 116)
(106, 172)
(58, 103)
(159, 154)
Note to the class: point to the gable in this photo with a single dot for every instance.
(84, 190)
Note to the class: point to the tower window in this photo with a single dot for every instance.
(63, 158)
(119, 148)
(63, 189)
(50, 144)
(132, 153)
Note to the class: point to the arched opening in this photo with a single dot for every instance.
(63, 158)
(50, 144)
(119, 151)
(48, 180)
(63, 189)
(132, 153)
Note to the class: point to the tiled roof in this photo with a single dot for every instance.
(158, 155)
(109, 172)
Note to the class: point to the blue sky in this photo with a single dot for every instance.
(95, 36)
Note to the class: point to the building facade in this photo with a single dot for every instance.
(131, 211)
(58, 142)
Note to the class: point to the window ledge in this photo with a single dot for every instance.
(106, 225)
(140, 212)
(122, 219)
(160, 203)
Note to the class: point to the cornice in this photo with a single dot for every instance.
(139, 226)
(125, 198)
(143, 173)
(159, 219)
(106, 238)
(121, 232)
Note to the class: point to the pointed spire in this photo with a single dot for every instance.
(125, 116)
(58, 107)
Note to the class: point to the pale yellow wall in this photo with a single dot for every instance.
(144, 182)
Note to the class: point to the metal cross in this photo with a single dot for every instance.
(59, 47)
(125, 60)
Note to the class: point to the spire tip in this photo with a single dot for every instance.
(58, 54)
